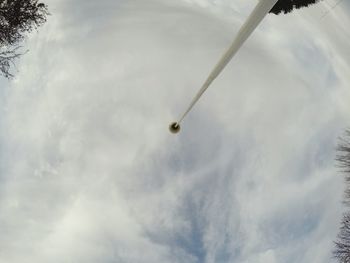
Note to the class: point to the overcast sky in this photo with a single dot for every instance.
(90, 173)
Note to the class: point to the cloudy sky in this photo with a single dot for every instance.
(90, 173)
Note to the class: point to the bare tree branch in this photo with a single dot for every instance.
(17, 17)
(287, 6)
(8, 58)
(342, 245)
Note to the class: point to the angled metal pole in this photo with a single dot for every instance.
(260, 11)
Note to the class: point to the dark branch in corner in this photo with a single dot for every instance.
(17, 18)
(287, 6)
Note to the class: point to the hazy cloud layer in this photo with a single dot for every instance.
(90, 173)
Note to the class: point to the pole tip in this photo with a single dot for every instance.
(174, 127)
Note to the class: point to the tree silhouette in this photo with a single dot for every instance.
(342, 251)
(287, 6)
(17, 17)
(342, 245)
(7, 59)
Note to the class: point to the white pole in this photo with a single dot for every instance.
(254, 19)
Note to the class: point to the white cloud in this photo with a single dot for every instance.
(90, 172)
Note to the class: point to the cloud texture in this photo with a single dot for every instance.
(90, 173)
